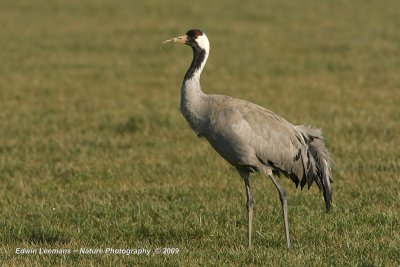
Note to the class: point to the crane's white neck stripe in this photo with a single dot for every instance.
(203, 43)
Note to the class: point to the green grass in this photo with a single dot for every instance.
(94, 152)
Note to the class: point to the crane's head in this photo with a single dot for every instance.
(194, 38)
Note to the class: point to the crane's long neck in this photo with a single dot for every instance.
(193, 103)
(200, 56)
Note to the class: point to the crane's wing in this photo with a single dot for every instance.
(247, 134)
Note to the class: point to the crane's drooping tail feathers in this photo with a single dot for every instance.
(321, 161)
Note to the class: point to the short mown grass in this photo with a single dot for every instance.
(94, 152)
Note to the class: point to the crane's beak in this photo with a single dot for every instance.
(180, 39)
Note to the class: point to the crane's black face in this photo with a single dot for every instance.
(192, 35)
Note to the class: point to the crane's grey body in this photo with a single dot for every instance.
(247, 135)
(252, 138)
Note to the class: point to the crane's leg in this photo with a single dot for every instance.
(245, 175)
(283, 199)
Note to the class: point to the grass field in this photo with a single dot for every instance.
(94, 152)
